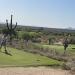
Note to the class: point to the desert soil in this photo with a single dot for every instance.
(32, 71)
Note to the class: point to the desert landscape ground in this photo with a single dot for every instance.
(38, 38)
(32, 71)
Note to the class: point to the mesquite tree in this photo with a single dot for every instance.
(66, 42)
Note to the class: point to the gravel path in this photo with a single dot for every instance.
(32, 71)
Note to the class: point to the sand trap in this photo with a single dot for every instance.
(32, 71)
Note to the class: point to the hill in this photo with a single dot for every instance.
(42, 29)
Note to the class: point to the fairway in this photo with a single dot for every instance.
(21, 58)
(60, 48)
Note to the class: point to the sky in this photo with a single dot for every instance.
(43, 13)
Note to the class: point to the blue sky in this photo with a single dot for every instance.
(44, 13)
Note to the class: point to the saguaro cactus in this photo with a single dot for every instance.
(11, 29)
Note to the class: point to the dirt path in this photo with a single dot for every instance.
(32, 71)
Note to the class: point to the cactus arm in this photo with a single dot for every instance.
(11, 22)
(15, 26)
(7, 24)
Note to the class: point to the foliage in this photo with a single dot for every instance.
(26, 36)
(29, 35)
(51, 39)
(72, 40)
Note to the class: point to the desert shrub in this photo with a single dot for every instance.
(72, 41)
(69, 65)
(26, 36)
(51, 39)
(36, 40)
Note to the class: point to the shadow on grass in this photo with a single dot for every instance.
(7, 53)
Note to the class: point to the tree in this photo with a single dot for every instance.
(26, 36)
(51, 39)
(65, 43)
(34, 36)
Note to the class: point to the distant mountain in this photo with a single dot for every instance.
(49, 30)
(70, 28)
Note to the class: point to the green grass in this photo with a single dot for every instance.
(60, 48)
(20, 58)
